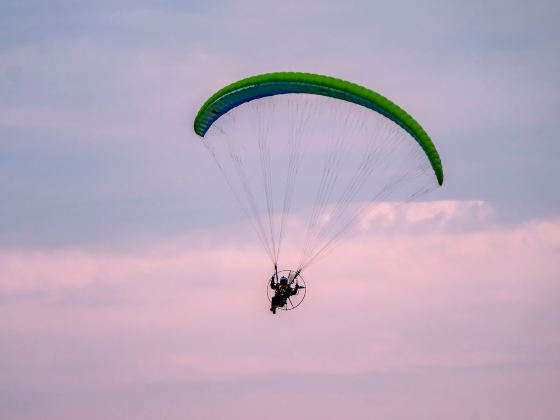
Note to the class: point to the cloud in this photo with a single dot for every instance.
(192, 310)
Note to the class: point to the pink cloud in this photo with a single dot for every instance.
(389, 302)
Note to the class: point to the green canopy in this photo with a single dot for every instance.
(270, 84)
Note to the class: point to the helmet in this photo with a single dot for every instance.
(283, 281)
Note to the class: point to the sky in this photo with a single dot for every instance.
(131, 285)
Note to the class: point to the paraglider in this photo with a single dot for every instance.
(309, 157)
(284, 290)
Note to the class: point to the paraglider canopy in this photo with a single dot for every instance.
(271, 84)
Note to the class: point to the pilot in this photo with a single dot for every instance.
(282, 292)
